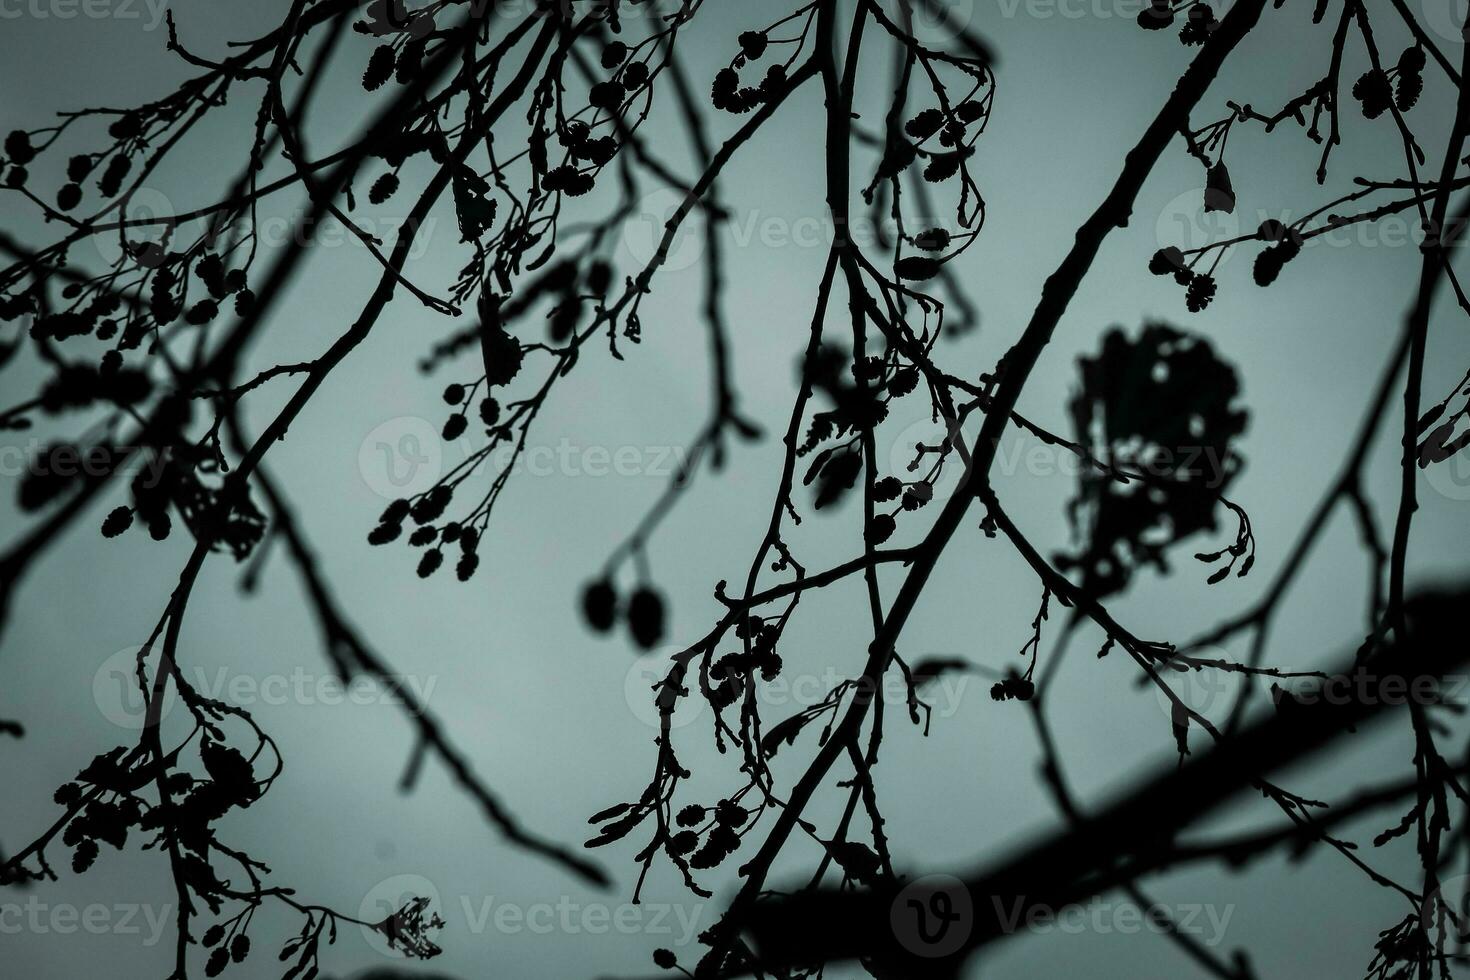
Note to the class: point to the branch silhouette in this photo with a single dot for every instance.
(1137, 832)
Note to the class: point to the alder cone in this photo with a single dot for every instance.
(599, 605)
(646, 617)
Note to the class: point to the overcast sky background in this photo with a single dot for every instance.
(553, 717)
